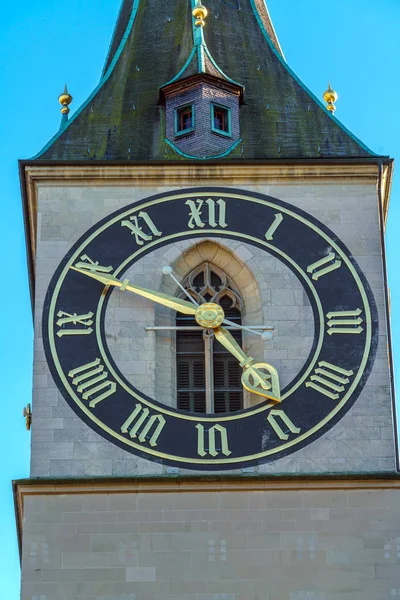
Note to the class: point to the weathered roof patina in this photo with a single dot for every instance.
(123, 119)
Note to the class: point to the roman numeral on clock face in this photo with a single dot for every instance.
(269, 234)
(91, 380)
(278, 419)
(207, 212)
(324, 266)
(344, 321)
(329, 379)
(212, 441)
(77, 324)
(142, 227)
(87, 264)
(143, 426)
(81, 318)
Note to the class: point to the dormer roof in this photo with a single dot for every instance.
(153, 45)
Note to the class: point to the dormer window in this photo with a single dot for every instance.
(221, 119)
(184, 119)
(201, 116)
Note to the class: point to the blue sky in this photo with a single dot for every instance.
(352, 43)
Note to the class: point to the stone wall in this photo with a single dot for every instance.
(326, 544)
(63, 445)
(272, 294)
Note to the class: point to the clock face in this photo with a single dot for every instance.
(339, 358)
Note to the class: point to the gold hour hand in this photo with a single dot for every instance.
(227, 340)
(175, 303)
(259, 378)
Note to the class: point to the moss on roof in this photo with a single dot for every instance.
(122, 119)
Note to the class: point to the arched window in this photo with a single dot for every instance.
(208, 376)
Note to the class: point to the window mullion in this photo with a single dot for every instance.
(208, 336)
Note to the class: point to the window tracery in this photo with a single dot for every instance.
(208, 283)
(208, 376)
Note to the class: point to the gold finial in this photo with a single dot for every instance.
(200, 13)
(27, 413)
(65, 100)
(330, 97)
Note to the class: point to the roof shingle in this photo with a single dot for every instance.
(122, 119)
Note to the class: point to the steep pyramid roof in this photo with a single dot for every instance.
(152, 42)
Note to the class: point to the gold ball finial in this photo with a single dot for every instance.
(65, 100)
(330, 97)
(199, 13)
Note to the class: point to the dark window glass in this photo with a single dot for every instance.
(221, 119)
(228, 391)
(184, 118)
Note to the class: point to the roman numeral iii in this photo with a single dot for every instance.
(344, 321)
(208, 212)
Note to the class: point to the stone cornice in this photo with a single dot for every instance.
(25, 488)
(185, 174)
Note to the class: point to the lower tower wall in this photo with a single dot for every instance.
(210, 539)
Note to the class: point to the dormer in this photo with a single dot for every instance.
(201, 103)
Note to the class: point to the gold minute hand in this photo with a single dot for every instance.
(177, 304)
(254, 378)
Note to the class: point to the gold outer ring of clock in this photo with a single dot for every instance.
(210, 315)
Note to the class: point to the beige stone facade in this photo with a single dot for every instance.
(343, 198)
(151, 532)
(212, 541)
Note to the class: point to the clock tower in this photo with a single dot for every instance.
(213, 411)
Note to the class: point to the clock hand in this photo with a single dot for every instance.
(227, 340)
(167, 270)
(175, 303)
(265, 334)
(253, 377)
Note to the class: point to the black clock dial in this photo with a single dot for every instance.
(340, 360)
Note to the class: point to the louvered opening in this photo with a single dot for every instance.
(192, 401)
(190, 367)
(228, 391)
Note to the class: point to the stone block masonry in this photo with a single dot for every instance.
(332, 542)
(362, 442)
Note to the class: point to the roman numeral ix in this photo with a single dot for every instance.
(85, 321)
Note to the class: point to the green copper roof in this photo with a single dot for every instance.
(152, 43)
(200, 60)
